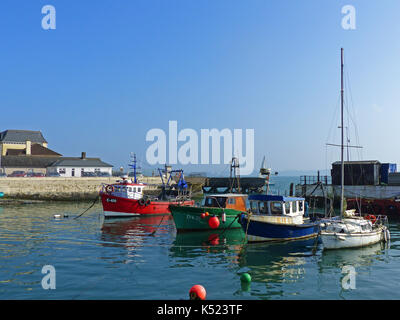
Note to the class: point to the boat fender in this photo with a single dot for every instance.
(386, 234)
(141, 202)
(223, 217)
(148, 202)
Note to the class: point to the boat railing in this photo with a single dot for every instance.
(381, 220)
(304, 180)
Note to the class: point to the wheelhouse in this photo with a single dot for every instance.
(276, 205)
(228, 201)
(125, 188)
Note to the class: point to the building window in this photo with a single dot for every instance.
(61, 170)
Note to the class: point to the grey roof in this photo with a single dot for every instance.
(44, 162)
(26, 161)
(22, 136)
(79, 162)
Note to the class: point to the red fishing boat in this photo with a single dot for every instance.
(126, 198)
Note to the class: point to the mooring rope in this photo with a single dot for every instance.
(95, 200)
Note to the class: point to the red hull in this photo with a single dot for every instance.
(376, 206)
(117, 207)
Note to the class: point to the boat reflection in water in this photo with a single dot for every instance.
(276, 262)
(192, 244)
(356, 257)
(133, 232)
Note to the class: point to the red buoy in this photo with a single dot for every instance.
(213, 222)
(203, 215)
(197, 292)
(213, 239)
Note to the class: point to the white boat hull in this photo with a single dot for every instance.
(332, 240)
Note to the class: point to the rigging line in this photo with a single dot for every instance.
(333, 120)
(352, 112)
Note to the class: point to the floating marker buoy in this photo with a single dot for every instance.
(203, 215)
(213, 222)
(245, 277)
(207, 214)
(197, 292)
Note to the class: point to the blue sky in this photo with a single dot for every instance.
(113, 70)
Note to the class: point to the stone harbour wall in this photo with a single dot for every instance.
(57, 188)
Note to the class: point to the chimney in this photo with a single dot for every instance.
(28, 148)
(83, 155)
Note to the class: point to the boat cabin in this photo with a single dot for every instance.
(226, 201)
(125, 188)
(270, 205)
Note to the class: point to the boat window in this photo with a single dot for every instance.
(276, 207)
(301, 205)
(134, 189)
(294, 206)
(139, 190)
(215, 202)
(129, 189)
(253, 206)
(263, 207)
(287, 207)
(231, 201)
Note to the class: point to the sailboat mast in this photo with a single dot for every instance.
(342, 144)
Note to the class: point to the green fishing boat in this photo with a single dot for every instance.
(220, 211)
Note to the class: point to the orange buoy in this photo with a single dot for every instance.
(197, 292)
(207, 214)
(213, 222)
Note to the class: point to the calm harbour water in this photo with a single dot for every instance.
(120, 259)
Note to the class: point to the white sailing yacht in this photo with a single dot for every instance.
(351, 229)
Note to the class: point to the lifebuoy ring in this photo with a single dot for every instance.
(110, 189)
(141, 202)
(371, 218)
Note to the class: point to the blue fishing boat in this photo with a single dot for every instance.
(277, 218)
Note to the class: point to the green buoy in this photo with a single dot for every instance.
(245, 277)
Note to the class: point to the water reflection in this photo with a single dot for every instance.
(355, 257)
(193, 244)
(132, 232)
(276, 262)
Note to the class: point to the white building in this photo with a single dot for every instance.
(77, 167)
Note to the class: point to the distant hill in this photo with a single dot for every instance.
(292, 173)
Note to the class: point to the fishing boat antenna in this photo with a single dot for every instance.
(134, 166)
(235, 167)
